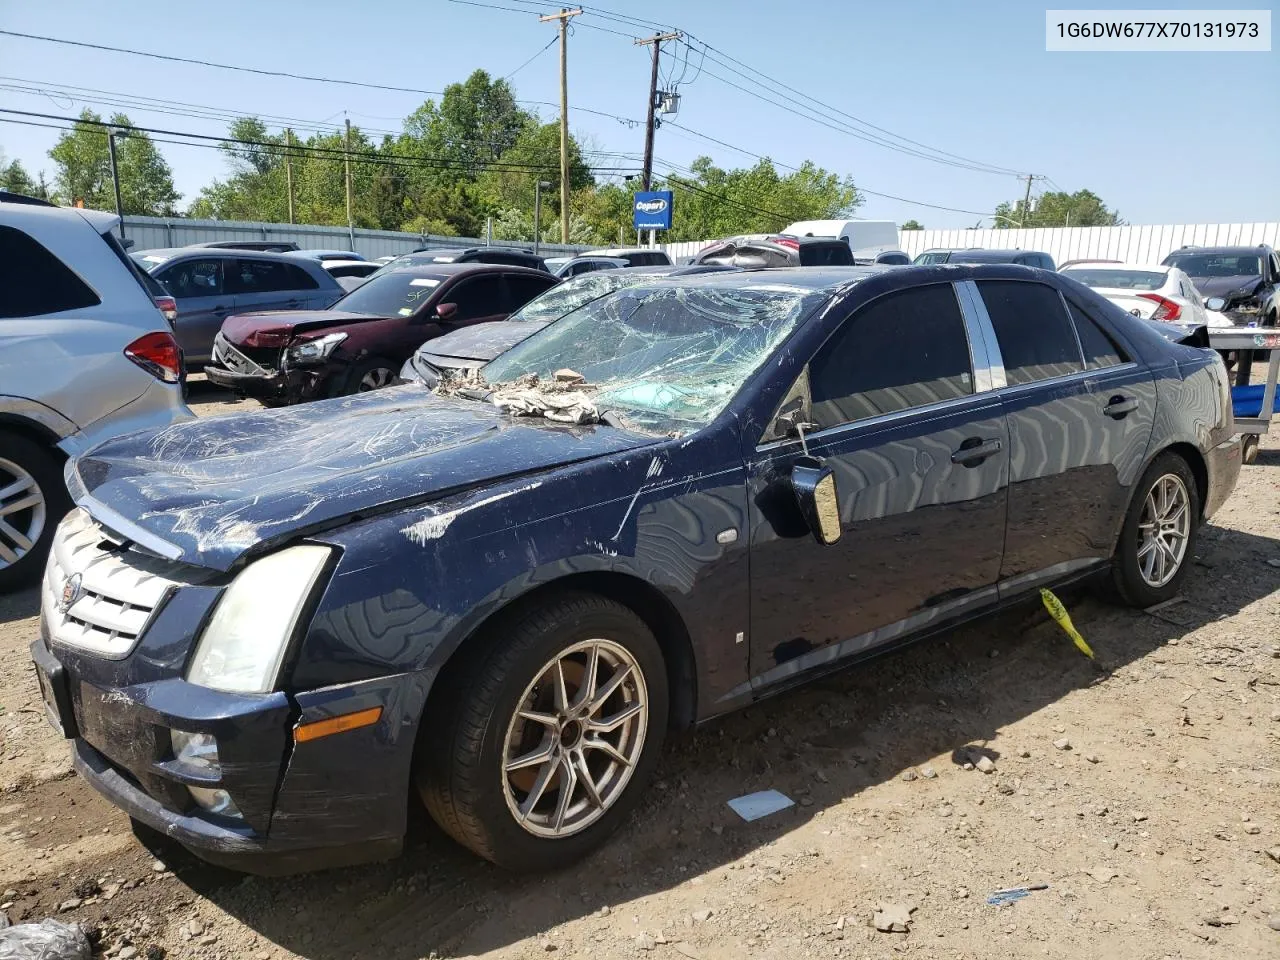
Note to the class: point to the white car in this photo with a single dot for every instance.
(84, 355)
(1149, 291)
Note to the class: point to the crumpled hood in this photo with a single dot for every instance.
(482, 341)
(214, 489)
(1226, 287)
(274, 328)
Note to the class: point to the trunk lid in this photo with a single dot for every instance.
(213, 490)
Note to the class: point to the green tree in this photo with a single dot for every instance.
(536, 153)
(84, 168)
(912, 225)
(1084, 208)
(15, 179)
(714, 202)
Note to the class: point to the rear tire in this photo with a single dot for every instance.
(526, 714)
(1159, 535)
(33, 498)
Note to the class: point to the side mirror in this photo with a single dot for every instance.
(447, 311)
(1215, 303)
(814, 484)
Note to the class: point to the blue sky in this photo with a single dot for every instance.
(1163, 137)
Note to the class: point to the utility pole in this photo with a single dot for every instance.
(115, 176)
(288, 167)
(563, 18)
(1026, 203)
(346, 158)
(656, 41)
(538, 186)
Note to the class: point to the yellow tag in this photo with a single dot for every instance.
(1063, 619)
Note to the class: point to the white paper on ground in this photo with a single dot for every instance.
(756, 805)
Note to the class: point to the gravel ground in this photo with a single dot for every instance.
(1141, 789)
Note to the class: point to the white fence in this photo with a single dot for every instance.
(1136, 244)
(147, 233)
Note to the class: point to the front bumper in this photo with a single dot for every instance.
(288, 386)
(325, 803)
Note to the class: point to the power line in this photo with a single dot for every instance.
(300, 150)
(550, 43)
(287, 75)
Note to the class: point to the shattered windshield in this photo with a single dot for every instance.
(1204, 265)
(661, 358)
(569, 296)
(396, 294)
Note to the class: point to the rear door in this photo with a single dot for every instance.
(1078, 431)
(917, 440)
(198, 286)
(262, 284)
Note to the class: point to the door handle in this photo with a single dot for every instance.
(974, 450)
(220, 309)
(1119, 406)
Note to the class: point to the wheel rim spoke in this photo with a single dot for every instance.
(610, 724)
(546, 719)
(16, 537)
(584, 778)
(568, 784)
(607, 748)
(21, 485)
(6, 554)
(1165, 527)
(609, 689)
(539, 788)
(561, 689)
(533, 759)
(25, 503)
(587, 693)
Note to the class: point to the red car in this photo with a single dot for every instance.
(359, 344)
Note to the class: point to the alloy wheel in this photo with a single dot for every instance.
(375, 378)
(22, 513)
(1163, 530)
(575, 738)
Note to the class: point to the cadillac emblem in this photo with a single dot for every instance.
(71, 591)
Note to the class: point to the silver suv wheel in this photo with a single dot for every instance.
(23, 513)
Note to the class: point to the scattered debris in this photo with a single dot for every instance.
(47, 940)
(1063, 619)
(1273, 563)
(568, 376)
(985, 764)
(703, 915)
(1274, 854)
(753, 806)
(1103, 874)
(928, 773)
(1062, 744)
(908, 775)
(1274, 922)
(893, 917)
(686, 951)
(1164, 605)
(1093, 758)
(1013, 894)
(645, 942)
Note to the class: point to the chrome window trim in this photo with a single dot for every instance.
(982, 321)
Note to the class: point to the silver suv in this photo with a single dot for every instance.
(85, 354)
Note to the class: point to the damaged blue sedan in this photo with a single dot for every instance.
(268, 635)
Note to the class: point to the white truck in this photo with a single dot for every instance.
(861, 235)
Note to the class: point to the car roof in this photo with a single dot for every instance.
(1255, 249)
(221, 253)
(992, 256)
(311, 253)
(817, 279)
(452, 269)
(619, 252)
(1115, 265)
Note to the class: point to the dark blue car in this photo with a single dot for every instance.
(267, 635)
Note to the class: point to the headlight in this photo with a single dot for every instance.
(241, 649)
(1249, 306)
(313, 351)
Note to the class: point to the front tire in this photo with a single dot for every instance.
(373, 373)
(33, 498)
(543, 744)
(1159, 534)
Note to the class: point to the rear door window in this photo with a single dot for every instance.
(33, 281)
(1036, 337)
(480, 296)
(522, 288)
(903, 350)
(257, 276)
(1100, 350)
(189, 279)
(299, 279)
(825, 255)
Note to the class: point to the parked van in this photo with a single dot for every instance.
(859, 234)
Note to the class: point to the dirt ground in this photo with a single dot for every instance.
(1143, 790)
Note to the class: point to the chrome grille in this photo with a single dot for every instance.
(99, 597)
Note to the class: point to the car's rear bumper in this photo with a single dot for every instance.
(1223, 467)
(160, 405)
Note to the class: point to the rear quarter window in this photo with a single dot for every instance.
(34, 282)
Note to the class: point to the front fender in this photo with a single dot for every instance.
(413, 586)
